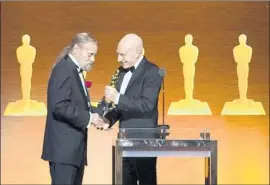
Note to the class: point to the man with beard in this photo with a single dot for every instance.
(69, 112)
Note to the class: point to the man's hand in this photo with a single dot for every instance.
(105, 124)
(110, 94)
(96, 119)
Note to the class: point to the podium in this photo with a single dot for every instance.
(162, 147)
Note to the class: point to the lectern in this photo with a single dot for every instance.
(145, 147)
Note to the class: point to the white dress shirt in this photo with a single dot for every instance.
(83, 84)
(126, 80)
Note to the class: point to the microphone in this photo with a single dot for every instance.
(162, 72)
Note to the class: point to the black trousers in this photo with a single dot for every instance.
(66, 174)
(142, 169)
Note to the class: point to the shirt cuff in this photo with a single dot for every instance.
(117, 99)
(90, 120)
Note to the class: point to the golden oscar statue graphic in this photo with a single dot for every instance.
(189, 106)
(26, 107)
(243, 106)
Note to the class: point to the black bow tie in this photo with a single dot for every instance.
(80, 70)
(131, 69)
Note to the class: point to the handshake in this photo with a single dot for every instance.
(101, 123)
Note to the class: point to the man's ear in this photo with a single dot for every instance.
(143, 51)
(140, 52)
(76, 48)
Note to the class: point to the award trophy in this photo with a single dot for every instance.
(108, 106)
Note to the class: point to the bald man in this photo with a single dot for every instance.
(136, 99)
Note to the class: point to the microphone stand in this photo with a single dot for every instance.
(163, 102)
(166, 127)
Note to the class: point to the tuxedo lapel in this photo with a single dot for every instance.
(137, 73)
(87, 92)
(88, 99)
(120, 80)
(78, 80)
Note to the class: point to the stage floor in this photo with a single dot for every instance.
(243, 151)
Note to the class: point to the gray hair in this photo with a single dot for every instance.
(80, 38)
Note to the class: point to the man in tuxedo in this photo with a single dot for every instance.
(69, 112)
(136, 100)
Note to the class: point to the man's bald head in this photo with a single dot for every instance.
(130, 49)
(132, 41)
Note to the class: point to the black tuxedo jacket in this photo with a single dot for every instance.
(138, 107)
(65, 138)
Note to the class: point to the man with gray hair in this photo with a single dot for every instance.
(136, 100)
(69, 112)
